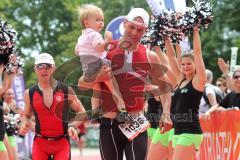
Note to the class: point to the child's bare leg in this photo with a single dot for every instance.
(122, 115)
(96, 101)
(117, 96)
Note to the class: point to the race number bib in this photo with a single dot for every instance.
(140, 125)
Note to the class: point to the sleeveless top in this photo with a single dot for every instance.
(154, 112)
(53, 121)
(2, 125)
(130, 70)
(185, 105)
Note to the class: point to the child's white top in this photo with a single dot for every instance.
(87, 43)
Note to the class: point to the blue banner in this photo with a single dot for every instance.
(116, 27)
(19, 88)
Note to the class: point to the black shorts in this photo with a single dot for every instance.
(92, 69)
(80, 135)
(2, 125)
(113, 142)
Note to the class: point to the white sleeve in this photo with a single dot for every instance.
(96, 39)
(209, 90)
(77, 46)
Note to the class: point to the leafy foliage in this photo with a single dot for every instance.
(52, 26)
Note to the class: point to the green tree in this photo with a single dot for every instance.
(218, 39)
(52, 26)
(39, 23)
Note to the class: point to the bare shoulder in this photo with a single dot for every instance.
(26, 92)
(27, 97)
(152, 56)
(71, 94)
(71, 90)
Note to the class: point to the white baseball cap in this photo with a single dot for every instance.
(138, 12)
(44, 58)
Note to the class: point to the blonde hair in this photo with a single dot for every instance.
(87, 10)
(188, 54)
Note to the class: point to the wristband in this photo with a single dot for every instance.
(71, 125)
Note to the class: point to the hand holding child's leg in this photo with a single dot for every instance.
(122, 115)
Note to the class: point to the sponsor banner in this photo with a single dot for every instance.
(19, 88)
(221, 136)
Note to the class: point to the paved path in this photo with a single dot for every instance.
(88, 154)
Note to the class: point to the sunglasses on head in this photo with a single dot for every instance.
(44, 66)
(236, 76)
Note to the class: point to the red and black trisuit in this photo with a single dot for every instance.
(51, 124)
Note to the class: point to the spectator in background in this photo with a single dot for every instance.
(212, 95)
(10, 109)
(232, 99)
(224, 67)
(222, 84)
